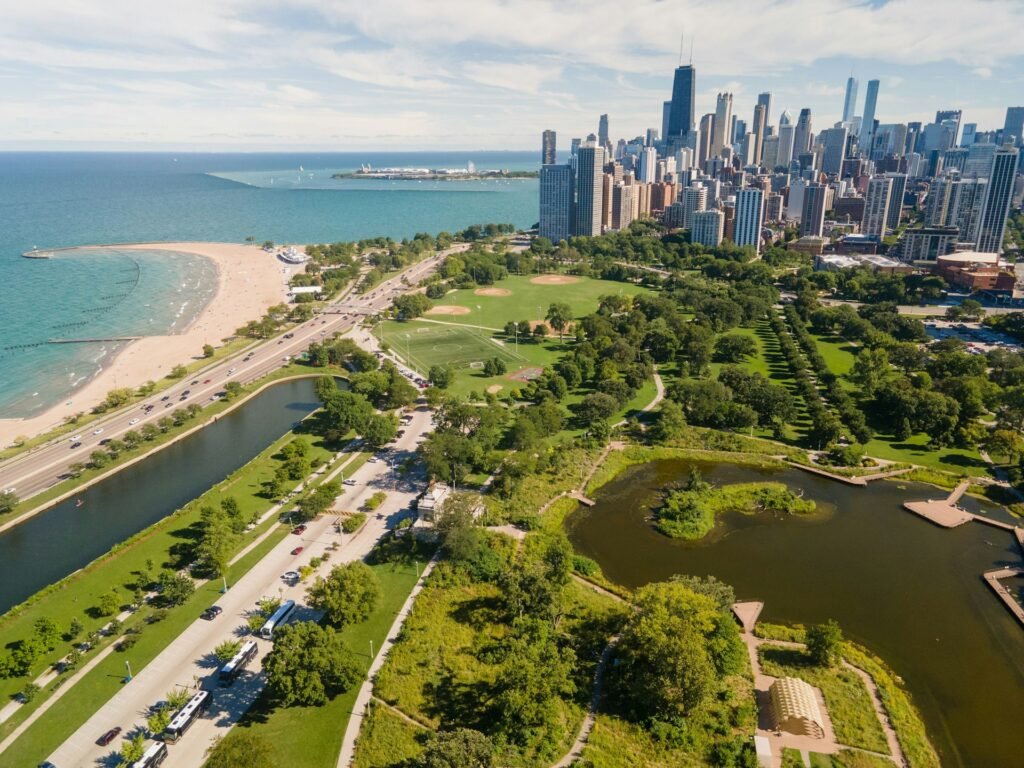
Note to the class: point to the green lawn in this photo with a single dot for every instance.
(915, 450)
(311, 736)
(759, 362)
(528, 300)
(838, 353)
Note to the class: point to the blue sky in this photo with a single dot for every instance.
(474, 74)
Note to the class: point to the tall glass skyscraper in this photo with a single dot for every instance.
(681, 115)
(556, 195)
(749, 217)
(589, 190)
(997, 200)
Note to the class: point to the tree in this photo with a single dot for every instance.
(734, 348)
(46, 630)
(441, 376)
(216, 540)
(309, 664)
(158, 721)
(379, 429)
(227, 650)
(669, 422)
(461, 748)
(241, 747)
(348, 595)
(133, 748)
(824, 643)
(175, 588)
(540, 331)
(559, 316)
(177, 372)
(597, 406)
(110, 603)
(8, 501)
(208, 350)
(1007, 443)
(232, 390)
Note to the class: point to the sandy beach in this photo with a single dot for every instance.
(249, 280)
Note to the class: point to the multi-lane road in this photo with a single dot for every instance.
(188, 659)
(45, 466)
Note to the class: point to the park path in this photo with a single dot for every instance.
(658, 397)
(587, 726)
(362, 702)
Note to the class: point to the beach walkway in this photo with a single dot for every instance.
(858, 480)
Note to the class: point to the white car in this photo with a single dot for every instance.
(98, 431)
(290, 576)
(74, 439)
(372, 460)
(133, 422)
(350, 481)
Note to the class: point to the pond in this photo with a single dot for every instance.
(908, 590)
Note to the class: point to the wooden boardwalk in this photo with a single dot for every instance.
(992, 578)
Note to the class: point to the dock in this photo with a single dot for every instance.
(992, 579)
(947, 513)
(578, 495)
(747, 614)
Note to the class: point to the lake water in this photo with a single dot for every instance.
(908, 590)
(61, 199)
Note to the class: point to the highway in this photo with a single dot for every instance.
(188, 660)
(45, 466)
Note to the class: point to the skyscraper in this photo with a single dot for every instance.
(681, 116)
(867, 123)
(547, 152)
(950, 115)
(556, 194)
(850, 104)
(899, 188)
(706, 228)
(749, 217)
(834, 141)
(648, 165)
(967, 139)
(812, 218)
(770, 152)
(758, 129)
(965, 208)
(786, 134)
(602, 131)
(1014, 126)
(997, 200)
(723, 124)
(666, 115)
(876, 206)
(707, 128)
(695, 200)
(765, 100)
(802, 134)
(589, 191)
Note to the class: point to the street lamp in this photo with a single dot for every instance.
(224, 580)
(129, 668)
(371, 650)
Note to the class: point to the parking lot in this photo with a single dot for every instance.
(978, 338)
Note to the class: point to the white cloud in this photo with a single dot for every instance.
(526, 78)
(985, 72)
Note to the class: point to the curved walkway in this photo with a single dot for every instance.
(576, 750)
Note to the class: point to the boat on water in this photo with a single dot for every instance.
(79, 502)
(35, 253)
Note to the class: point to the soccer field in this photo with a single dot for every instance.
(426, 344)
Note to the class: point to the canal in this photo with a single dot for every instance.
(55, 543)
(908, 590)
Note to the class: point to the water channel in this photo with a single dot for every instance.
(66, 537)
(908, 590)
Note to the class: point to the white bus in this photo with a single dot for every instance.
(188, 714)
(280, 617)
(152, 757)
(230, 671)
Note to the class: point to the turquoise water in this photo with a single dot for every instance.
(54, 200)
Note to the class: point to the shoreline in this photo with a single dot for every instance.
(249, 280)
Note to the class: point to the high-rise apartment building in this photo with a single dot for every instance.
(707, 228)
(758, 129)
(867, 124)
(876, 206)
(812, 217)
(589, 190)
(834, 142)
(722, 124)
(707, 128)
(965, 207)
(899, 188)
(682, 113)
(1014, 126)
(695, 200)
(749, 217)
(997, 200)
(787, 132)
(556, 202)
(802, 134)
(648, 165)
(622, 205)
(547, 151)
(850, 103)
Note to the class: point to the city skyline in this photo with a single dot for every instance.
(294, 74)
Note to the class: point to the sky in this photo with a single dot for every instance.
(255, 75)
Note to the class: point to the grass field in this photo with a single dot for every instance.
(426, 344)
(530, 301)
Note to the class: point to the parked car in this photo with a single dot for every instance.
(109, 736)
(297, 550)
(350, 481)
(299, 529)
(290, 576)
(212, 612)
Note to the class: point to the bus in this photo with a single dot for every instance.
(230, 671)
(280, 617)
(187, 715)
(152, 757)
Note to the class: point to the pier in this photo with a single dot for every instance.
(992, 579)
(578, 495)
(948, 514)
(94, 340)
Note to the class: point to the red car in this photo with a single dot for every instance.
(297, 550)
(109, 736)
(206, 381)
(298, 530)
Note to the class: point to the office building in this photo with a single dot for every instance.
(758, 129)
(876, 206)
(739, 130)
(938, 137)
(812, 216)
(666, 115)
(997, 200)
(899, 189)
(648, 165)
(773, 207)
(707, 125)
(867, 124)
(979, 160)
(927, 243)
(1014, 126)
(834, 142)
(787, 132)
(602, 131)
(850, 103)
(770, 152)
(722, 124)
(951, 116)
(707, 228)
(589, 190)
(970, 131)
(547, 151)
(802, 134)
(556, 202)
(765, 100)
(682, 114)
(749, 218)
(849, 208)
(694, 200)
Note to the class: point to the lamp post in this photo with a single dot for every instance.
(371, 650)
(224, 581)
(128, 666)
(516, 324)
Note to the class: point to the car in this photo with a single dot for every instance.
(186, 393)
(105, 441)
(75, 439)
(350, 481)
(133, 422)
(109, 736)
(372, 460)
(286, 358)
(290, 576)
(211, 613)
(289, 335)
(76, 445)
(298, 530)
(169, 405)
(297, 550)
(207, 381)
(98, 431)
(165, 397)
(159, 706)
(195, 382)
